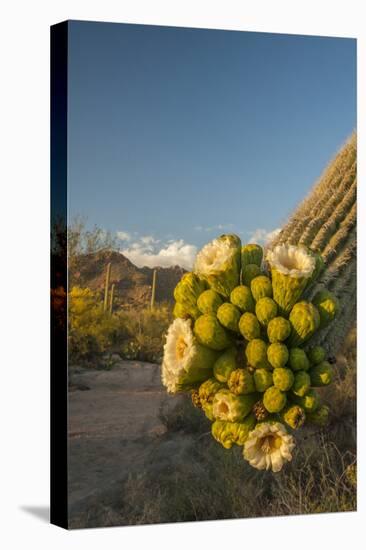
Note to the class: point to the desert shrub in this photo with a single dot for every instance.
(178, 414)
(144, 331)
(135, 334)
(91, 331)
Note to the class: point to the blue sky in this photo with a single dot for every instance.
(178, 135)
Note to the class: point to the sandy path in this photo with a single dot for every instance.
(113, 429)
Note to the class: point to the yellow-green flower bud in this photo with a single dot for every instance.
(278, 330)
(274, 400)
(242, 298)
(261, 287)
(277, 355)
(293, 416)
(301, 383)
(209, 301)
(283, 378)
(266, 310)
(316, 355)
(320, 417)
(263, 379)
(304, 319)
(309, 402)
(232, 408)
(321, 375)
(298, 359)
(249, 272)
(207, 390)
(210, 333)
(241, 382)
(219, 262)
(327, 305)
(230, 433)
(249, 326)
(225, 364)
(229, 316)
(256, 354)
(207, 409)
(187, 292)
(251, 254)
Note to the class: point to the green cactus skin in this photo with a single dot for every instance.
(248, 273)
(316, 355)
(278, 330)
(320, 417)
(229, 316)
(256, 354)
(210, 333)
(208, 389)
(249, 326)
(261, 287)
(251, 254)
(305, 320)
(232, 408)
(301, 383)
(327, 305)
(187, 292)
(225, 364)
(242, 298)
(106, 287)
(230, 433)
(283, 379)
(326, 222)
(241, 382)
(294, 416)
(263, 379)
(111, 299)
(209, 301)
(321, 375)
(298, 360)
(274, 400)
(266, 309)
(153, 290)
(277, 355)
(309, 402)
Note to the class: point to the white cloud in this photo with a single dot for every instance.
(145, 252)
(219, 227)
(263, 236)
(124, 235)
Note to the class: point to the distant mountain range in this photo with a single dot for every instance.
(132, 284)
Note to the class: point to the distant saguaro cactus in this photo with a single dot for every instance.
(111, 299)
(153, 289)
(326, 222)
(106, 287)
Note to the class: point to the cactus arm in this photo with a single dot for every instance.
(106, 287)
(111, 300)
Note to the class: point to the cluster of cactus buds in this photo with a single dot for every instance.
(241, 343)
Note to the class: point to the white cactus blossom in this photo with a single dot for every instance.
(213, 257)
(178, 349)
(186, 363)
(294, 261)
(268, 446)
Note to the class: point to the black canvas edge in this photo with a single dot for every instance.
(59, 375)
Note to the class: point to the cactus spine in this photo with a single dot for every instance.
(153, 289)
(111, 299)
(106, 287)
(326, 222)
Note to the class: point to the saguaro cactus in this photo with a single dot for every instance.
(111, 299)
(326, 222)
(153, 289)
(106, 287)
